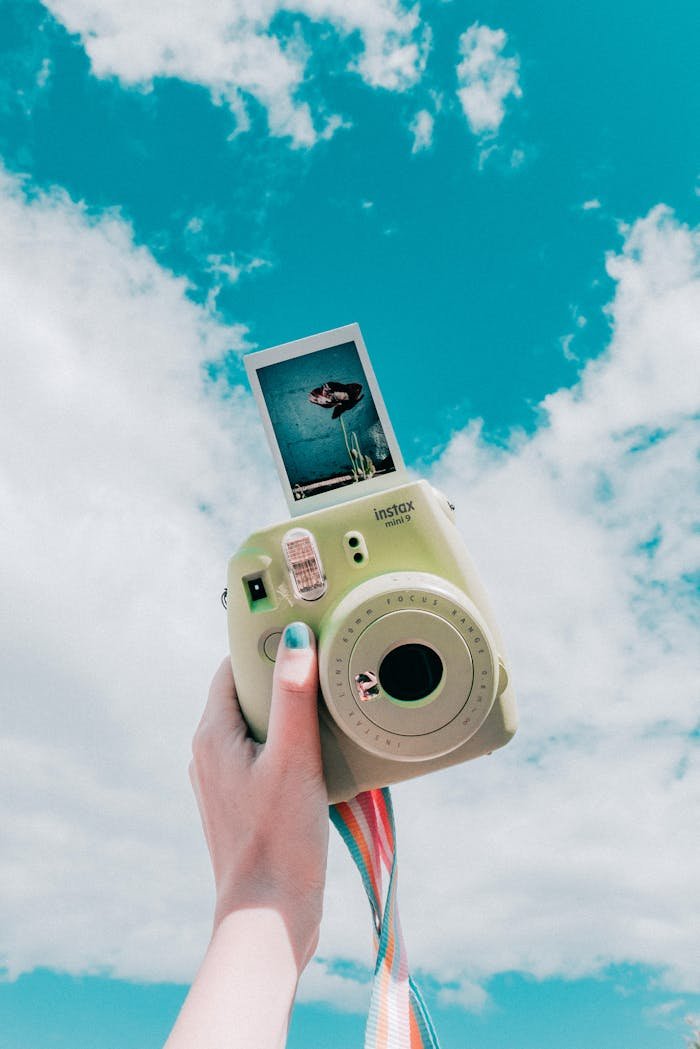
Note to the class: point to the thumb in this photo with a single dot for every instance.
(293, 727)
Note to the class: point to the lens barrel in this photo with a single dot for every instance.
(407, 666)
(410, 672)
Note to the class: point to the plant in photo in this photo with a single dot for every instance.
(693, 1041)
(341, 397)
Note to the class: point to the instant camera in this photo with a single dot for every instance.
(413, 673)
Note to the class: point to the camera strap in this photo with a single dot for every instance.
(398, 1018)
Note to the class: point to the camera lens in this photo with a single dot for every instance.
(410, 672)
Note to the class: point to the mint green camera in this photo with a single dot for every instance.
(412, 667)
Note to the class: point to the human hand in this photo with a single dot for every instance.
(264, 807)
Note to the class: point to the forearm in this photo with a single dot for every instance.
(244, 991)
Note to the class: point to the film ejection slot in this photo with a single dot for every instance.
(304, 564)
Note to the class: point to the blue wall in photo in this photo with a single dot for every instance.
(311, 441)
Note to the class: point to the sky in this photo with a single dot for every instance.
(505, 197)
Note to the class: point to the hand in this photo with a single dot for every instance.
(264, 807)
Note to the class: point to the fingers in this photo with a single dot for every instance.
(222, 715)
(293, 731)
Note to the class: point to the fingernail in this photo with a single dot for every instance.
(297, 635)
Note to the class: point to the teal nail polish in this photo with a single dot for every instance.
(296, 635)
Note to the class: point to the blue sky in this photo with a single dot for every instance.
(100, 1013)
(488, 266)
(526, 283)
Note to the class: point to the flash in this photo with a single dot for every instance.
(304, 564)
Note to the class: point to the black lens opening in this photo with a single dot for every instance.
(410, 672)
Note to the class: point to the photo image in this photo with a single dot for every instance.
(325, 420)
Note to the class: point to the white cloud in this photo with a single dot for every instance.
(421, 127)
(570, 849)
(577, 838)
(486, 77)
(591, 205)
(665, 1014)
(42, 77)
(226, 270)
(334, 123)
(111, 575)
(321, 983)
(231, 49)
(228, 266)
(565, 342)
(466, 995)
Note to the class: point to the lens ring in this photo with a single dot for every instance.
(406, 626)
(381, 614)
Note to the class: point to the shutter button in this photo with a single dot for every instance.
(271, 644)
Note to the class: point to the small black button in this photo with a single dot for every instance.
(257, 589)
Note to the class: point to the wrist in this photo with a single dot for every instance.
(258, 937)
(246, 985)
(289, 922)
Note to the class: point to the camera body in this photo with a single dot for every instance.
(412, 668)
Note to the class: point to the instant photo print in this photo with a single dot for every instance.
(412, 668)
(325, 419)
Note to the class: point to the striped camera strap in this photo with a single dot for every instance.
(398, 1018)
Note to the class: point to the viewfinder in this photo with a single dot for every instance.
(257, 590)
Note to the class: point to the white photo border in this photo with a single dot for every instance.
(325, 340)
